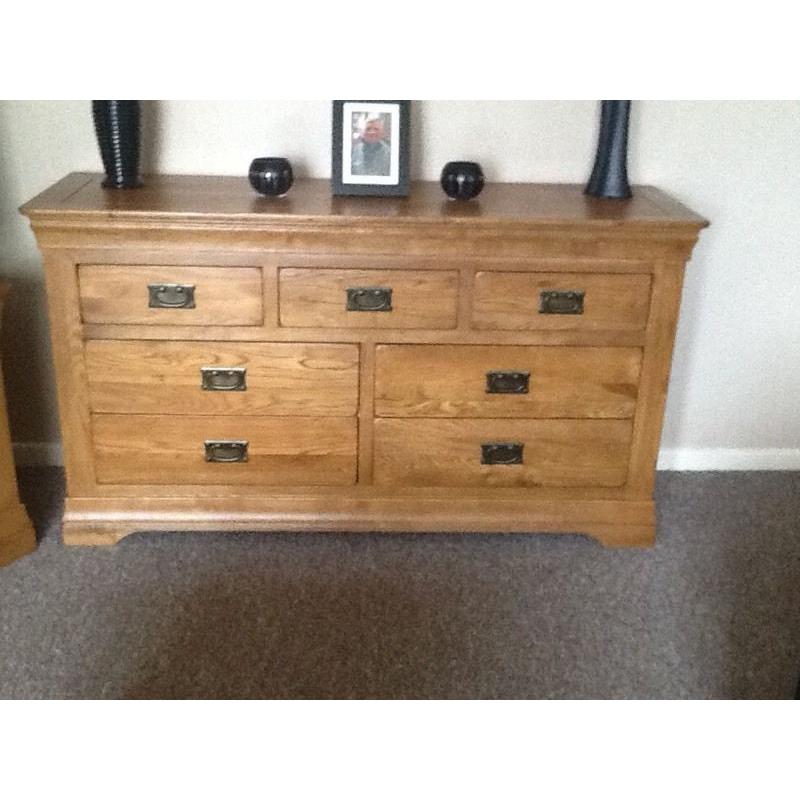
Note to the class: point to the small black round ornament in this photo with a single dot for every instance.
(271, 176)
(462, 180)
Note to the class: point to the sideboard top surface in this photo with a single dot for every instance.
(229, 199)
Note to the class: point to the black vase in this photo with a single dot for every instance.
(271, 176)
(116, 123)
(610, 174)
(462, 180)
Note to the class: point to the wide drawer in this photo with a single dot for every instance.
(445, 452)
(279, 451)
(518, 301)
(367, 298)
(144, 295)
(222, 378)
(506, 381)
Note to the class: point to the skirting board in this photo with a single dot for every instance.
(48, 454)
(722, 459)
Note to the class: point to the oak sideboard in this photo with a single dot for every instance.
(227, 361)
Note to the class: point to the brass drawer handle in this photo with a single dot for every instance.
(507, 382)
(502, 453)
(170, 295)
(226, 451)
(223, 379)
(561, 302)
(369, 298)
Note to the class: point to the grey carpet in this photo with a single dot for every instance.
(710, 612)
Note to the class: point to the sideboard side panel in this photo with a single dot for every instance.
(660, 337)
(71, 380)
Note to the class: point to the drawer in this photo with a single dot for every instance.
(521, 301)
(222, 378)
(366, 298)
(506, 381)
(446, 452)
(158, 449)
(117, 295)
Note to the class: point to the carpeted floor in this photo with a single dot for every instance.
(713, 611)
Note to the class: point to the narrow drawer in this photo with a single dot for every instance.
(500, 381)
(171, 295)
(222, 378)
(520, 301)
(353, 298)
(446, 452)
(279, 451)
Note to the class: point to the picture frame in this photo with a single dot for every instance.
(370, 147)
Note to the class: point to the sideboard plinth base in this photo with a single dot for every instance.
(104, 521)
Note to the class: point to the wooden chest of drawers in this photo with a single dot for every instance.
(232, 362)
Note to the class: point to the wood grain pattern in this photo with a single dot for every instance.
(99, 521)
(211, 213)
(667, 285)
(66, 337)
(17, 537)
(465, 278)
(169, 449)
(445, 452)
(16, 531)
(355, 335)
(204, 199)
(420, 299)
(118, 294)
(164, 378)
(510, 301)
(366, 410)
(450, 381)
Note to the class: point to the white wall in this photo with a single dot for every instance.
(733, 400)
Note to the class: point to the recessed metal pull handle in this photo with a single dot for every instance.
(570, 302)
(226, 451)
(504, 453)
(170, 295)
(498, 382)
(369, 298)
(223, 379)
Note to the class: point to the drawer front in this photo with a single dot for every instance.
(444, 452)
(171, 295)
(521, 301)
(355, 298)
(499, 381)
(279, 451)
(222, 378)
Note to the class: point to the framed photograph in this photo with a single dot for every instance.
(371, 147)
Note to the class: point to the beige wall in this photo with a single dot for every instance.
(736, 375)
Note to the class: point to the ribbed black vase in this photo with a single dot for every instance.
(610, 174)
(116, 123)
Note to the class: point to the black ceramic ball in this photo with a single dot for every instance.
(271, 176)
(462, 180)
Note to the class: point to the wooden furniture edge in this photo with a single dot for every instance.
(100, 521)
(50, 208)
(17, 536)
(669, 205)
(58, 193)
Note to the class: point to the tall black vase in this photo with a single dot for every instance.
(116, 123)
(610, 174)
